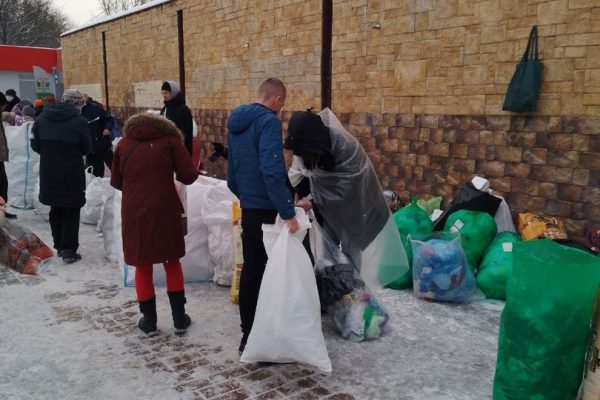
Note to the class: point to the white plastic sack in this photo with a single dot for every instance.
(22, 169)
(96, 194)
(210, 213)
(287, 325)
(196, 267)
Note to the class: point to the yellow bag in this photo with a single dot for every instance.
(238, 263)
(534, 226)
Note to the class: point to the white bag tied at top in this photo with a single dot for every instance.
(287, 324)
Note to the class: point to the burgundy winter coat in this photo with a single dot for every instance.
(144, 162)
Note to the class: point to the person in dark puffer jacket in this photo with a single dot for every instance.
(61, 137)
(256, 174)
(176, 111)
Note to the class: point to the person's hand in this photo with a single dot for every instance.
(106, 132)
(305, 204)
(292, 224)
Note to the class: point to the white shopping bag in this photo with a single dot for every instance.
(96, 195)
(287, 324)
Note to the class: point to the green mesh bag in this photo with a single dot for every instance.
(414, 221)
(545, 325)
(497, 264)
(477, 230)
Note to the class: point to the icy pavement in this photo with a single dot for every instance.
(71, 333)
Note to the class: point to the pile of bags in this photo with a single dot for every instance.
(20, 249)
(209, 240)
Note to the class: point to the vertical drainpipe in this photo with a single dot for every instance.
(181, 51)
(106, 100)
(327, 29)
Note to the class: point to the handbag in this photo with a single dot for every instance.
(524, 87)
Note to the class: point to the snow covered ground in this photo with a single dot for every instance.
(70, 333)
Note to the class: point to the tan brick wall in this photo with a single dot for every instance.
(457, 56)
(230, 47)
(423, 94)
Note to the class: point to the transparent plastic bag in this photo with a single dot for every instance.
(440, 269)
(351, 201)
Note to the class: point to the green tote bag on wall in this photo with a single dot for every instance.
(524, 86)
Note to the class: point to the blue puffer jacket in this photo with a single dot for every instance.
(256, 172)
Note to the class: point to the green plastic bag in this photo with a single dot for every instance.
(414, 221)
(435, 203)
(524, 87)
(545, 325)
(477, 230)
(497, 264)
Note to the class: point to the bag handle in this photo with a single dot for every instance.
(531, 53)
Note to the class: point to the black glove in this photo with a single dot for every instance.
(219, 151)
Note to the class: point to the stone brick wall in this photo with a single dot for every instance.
(230, 47)
(457, 56)
(423, 94)
(540, 164)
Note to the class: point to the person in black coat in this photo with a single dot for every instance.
(61, 137)
(100, 125)
(176, 110)
(12, 98)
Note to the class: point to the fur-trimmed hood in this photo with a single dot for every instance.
(145, 126)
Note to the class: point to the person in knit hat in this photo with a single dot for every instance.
(27, 115)
(75, 98)
(61, 137)
(176, 110)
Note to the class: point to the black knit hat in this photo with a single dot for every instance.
(11, 92)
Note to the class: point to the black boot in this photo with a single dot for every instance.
(147, 323)
(181, 320)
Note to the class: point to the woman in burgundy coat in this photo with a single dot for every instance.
(145, 160)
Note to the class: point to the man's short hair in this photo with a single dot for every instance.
(272, 87)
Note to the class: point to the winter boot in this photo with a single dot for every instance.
(181, 320)
(69, 256)
(147, 323)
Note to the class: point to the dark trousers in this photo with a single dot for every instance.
(255, 261)
(3, 182)
(64, 223)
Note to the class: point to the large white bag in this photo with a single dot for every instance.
(196, 267)
(96, 195)
(287, 324)
(210, 214)
(23, 166)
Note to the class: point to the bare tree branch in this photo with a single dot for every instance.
(114, 6)
(31, 23)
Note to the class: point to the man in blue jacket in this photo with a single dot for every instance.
(256, 174)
